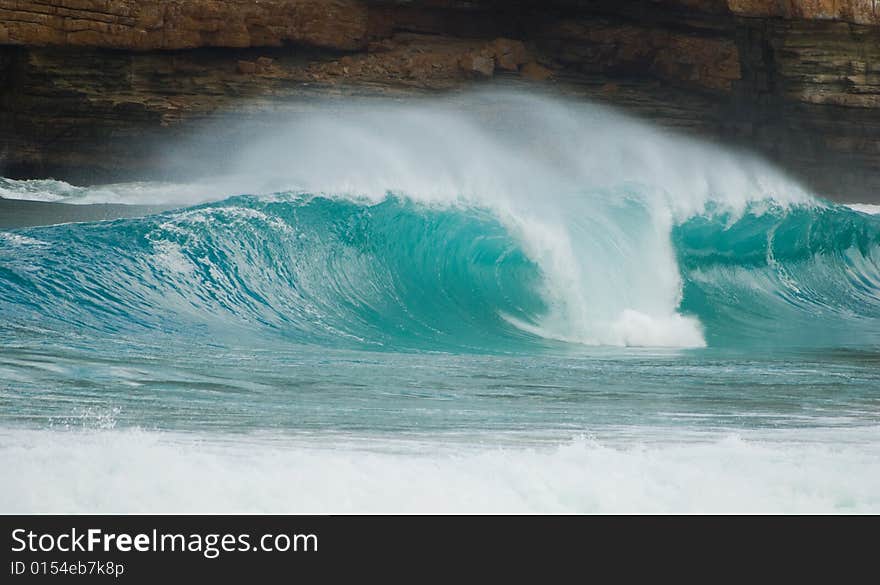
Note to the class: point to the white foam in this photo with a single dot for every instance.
(865, 208)
(170, 256)
(673, 330)
(21, 240)
(150, 472)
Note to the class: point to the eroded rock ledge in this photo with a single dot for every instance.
(91, 90)
(142, 25)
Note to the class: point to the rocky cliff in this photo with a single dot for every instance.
(142, 25)
(94, 90)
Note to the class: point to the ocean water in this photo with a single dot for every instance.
(496, 303)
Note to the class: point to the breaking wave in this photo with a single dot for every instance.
(437, 226)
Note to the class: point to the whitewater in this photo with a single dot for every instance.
(495, 302)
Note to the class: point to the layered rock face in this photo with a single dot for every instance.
(96, 90)
(854, 11)
(183, 24)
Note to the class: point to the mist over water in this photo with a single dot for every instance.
(388, 276)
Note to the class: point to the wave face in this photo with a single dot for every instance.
(438, 226)
(314, 269)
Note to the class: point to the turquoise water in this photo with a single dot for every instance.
(593, 349)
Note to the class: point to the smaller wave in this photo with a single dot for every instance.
(794, 277)
(154, 193)
(39, 190)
